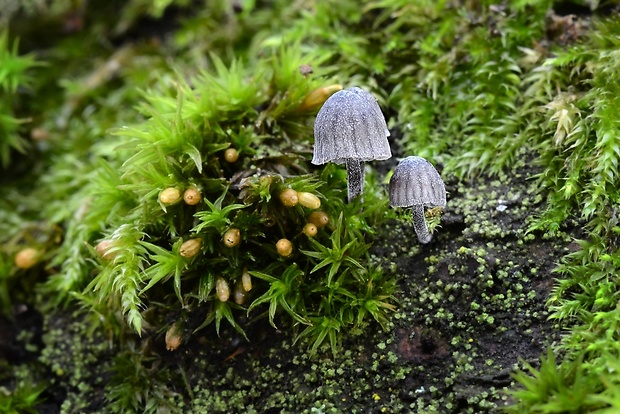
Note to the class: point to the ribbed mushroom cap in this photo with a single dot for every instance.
(350, 125)
(416, 182)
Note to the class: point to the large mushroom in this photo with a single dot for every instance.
(350, 129)
(417, 184)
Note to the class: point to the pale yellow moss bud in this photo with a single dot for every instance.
(246, 280)
(318, 97)
(309, 200)
(239, 294)
(28, 257)
(318, 218)
(173, 337)
(104, 249)
(170, 195)
(190, 248)
(289, 197)
(231, 155)
(192, 196)
(221, 289)
(310, 230)
(232, 237)
(39, 134)
(284, 247)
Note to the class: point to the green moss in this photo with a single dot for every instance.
(13, 75)
(513, 91)
(24, 398)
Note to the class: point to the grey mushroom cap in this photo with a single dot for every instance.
(350, 126)
(416, 182)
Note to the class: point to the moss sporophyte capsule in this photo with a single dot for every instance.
(231, 155)
(190, 248)
(284, 247)
(289, 197)
(222, 289)
(232, 237)
(173, 337)
(310, 230)
(350, 129)
(28, 257)
(242, 287)
(246, 280)
(105, 249)
(309, 200)
(318, 218)
(417, 184)
(318, 96)
(192, 196)
(239, 294)
(169, 195)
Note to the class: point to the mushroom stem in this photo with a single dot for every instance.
(355, 177)
(419, 224)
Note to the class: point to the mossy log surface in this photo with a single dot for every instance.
(155, 157)
(471, 307)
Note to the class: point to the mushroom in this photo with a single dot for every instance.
(417, 184)
(350, 129)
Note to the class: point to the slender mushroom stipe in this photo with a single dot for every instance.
(350, 129)
(417, 184)
(355, 178)
(419, 224)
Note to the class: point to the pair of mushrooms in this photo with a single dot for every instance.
(350, 129)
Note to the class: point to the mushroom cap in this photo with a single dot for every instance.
(350, 125)
(416, 182)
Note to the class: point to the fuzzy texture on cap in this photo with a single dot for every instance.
(350, 125)
(416, 182)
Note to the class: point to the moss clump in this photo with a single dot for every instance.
(320, 282)
(580, 157)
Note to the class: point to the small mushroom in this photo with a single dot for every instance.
(350, 129)
(417, 184)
